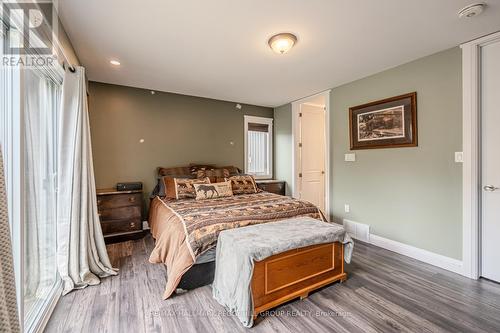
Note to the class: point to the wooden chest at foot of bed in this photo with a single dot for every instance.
(295, 273)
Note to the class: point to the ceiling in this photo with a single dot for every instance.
(218, 49)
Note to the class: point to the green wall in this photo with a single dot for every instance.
(410, 195)
(283, 145)
(177, 129)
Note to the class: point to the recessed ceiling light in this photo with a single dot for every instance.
(114, 62)
(282, 43)
(471, 10)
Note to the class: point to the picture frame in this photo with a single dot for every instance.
(387, 123)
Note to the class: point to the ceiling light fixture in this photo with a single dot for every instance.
(471, 10)
(282, 43)
(114, 62)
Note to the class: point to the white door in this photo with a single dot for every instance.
(490, 226)
(312, 155)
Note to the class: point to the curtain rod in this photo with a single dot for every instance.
(59, 46)
(54, 39)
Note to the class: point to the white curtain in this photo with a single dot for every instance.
(81, 253)
(257, 152)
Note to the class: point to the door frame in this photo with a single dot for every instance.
(295, 145)
(471, 141)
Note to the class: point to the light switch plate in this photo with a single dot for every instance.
(347, 208)
(351, 157)
(459, 157)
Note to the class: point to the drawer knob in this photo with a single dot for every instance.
(131, 199)
(132, 225)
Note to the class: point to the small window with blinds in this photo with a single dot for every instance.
(258, 146)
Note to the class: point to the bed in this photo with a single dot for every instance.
(186, 230)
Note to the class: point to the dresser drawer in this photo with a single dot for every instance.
(119, 200)
(122, 213)
(273, 187)
(118, 226)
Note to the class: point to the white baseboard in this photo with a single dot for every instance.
(428, 257)
(438, 260)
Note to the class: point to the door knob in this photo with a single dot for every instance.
(490, 188)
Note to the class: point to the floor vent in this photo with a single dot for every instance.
(357, 230)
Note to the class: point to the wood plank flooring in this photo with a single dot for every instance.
(384, 292)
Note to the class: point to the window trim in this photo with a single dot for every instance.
(264, 121)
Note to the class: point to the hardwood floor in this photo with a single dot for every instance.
(384, 292)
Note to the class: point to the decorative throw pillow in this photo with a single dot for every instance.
(233, 171)
(213, 174)
(193, 168)
(213, 190)
(244, 184)
(160, 188)
(182, 188)
(173, 172)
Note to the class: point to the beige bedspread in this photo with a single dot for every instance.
(185, 229)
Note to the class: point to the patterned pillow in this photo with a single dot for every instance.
(193, 168)
(244, 184)
(182, 188)
(160, 189)
(213, 174)
(173, 172)
(213, 190)
(233, 171)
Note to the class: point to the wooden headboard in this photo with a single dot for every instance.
(192, 168)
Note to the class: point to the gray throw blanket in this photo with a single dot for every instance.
(237, 249)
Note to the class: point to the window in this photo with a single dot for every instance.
(41, 105)
(258, 146)
(29, 105)
(29, 143)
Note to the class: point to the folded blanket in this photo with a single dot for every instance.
(237, 249)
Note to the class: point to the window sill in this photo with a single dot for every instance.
(262, 177)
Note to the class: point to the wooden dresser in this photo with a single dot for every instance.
(120, 213)
(272, 185)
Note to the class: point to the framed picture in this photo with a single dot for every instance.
(388, 123)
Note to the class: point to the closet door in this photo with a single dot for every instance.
(312, 155)
(490, 226)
